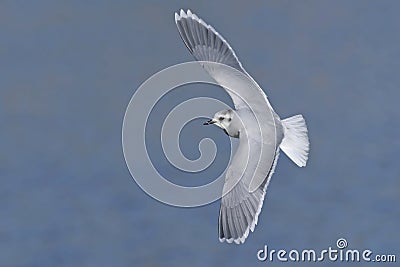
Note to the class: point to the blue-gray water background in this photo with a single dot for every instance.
(69, 68)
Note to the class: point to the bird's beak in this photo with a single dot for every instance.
(212, 121)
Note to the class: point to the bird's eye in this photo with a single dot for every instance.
(221, 118)
(230, 119)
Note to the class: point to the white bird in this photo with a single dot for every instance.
(253, 164)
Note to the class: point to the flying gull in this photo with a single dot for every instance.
(248, 175)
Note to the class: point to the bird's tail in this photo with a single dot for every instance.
(295, 142)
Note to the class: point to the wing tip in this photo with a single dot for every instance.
(182, 13)
(179, 15)
(239, 240)
(188, 14)
(231, 240)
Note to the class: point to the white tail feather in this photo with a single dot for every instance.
(295, 142)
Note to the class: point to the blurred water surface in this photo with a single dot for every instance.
(69, 68)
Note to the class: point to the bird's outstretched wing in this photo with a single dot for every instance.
(253, 164)
(239, 211)
(207, 45)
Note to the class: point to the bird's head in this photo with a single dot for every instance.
(222, 119)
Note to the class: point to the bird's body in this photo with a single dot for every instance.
(260, 131)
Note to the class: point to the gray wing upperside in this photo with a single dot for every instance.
(240, 209)
(207, 45)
